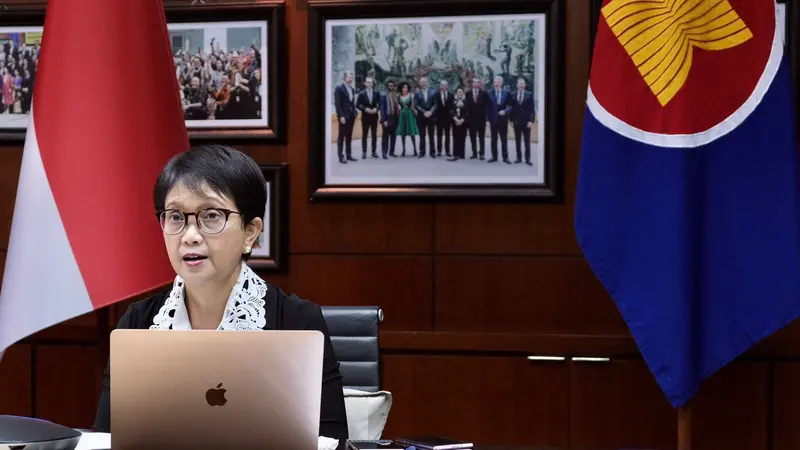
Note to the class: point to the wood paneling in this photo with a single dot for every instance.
(731, 408)
(15, 381)
(786, 409)
(505, 229)
(522, 295)
(68, 380)
(401, 285)
(539, 344)
(10, 162)
(356, 228)
(499, 400)
(619, 403)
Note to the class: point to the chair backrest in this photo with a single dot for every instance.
(354, 335)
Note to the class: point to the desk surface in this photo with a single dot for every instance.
(502, 447)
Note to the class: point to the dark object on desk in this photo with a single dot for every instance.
(36, 434)
(432, 443)
(382, 444)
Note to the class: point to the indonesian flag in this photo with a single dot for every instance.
(106, 117)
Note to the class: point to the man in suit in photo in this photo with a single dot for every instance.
(476, 101)
(367, 103)
(498, 111)
(426, 116)
(444, 100)
(389, 110)
(523, 115)
(344, 100)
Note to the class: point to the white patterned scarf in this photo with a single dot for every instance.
(245, 310)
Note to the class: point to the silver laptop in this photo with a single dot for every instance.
(205, 389)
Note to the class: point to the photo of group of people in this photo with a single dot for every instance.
(220, 67)
(19, 58)
(435, 100)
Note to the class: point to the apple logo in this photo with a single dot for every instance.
(216, 396)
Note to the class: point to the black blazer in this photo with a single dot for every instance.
(284, 312)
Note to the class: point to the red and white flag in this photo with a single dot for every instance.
(106, 117)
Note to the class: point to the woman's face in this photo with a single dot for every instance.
(222, 252)
(405, 89)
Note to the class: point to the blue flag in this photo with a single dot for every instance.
(687, 205)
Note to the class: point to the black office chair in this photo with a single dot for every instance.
(354, 335)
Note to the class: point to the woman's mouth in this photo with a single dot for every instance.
(194, 259)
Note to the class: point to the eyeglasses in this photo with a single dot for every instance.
(209, 220)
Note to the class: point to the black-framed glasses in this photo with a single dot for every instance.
(209, 220)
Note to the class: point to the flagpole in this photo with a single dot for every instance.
(685, 426)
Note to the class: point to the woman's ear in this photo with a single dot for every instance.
(252, 230)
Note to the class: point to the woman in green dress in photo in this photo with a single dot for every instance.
(407, 120)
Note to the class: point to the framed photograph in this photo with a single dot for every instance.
(270, 251)
(226, 62)
(449, 99)
(20, 44)
(226, 57)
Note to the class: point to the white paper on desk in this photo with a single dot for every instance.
(326, 443)
(94, 441)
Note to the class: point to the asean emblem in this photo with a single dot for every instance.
(681, 73)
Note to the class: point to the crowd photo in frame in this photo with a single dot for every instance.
(226, 63)
(454, 99)
(20, 47)
(271, 248)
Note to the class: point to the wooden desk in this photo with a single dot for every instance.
(501, 447)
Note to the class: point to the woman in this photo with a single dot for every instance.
(406, 120)
(8, 91)
(460, 114)
(210, 202)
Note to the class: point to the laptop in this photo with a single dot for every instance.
(204, 389)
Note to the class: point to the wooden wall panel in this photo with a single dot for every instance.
(619, 403)
(356, 228)
(731, 409)
(504, 229)
(401, 285)
(786, 410)
(68, 380)
(488, 400)
(10, 161)
(522, 295)
(15, 381)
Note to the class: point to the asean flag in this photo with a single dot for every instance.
(687, 197)
(106, 117)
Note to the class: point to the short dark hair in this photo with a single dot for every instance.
(225, 170)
